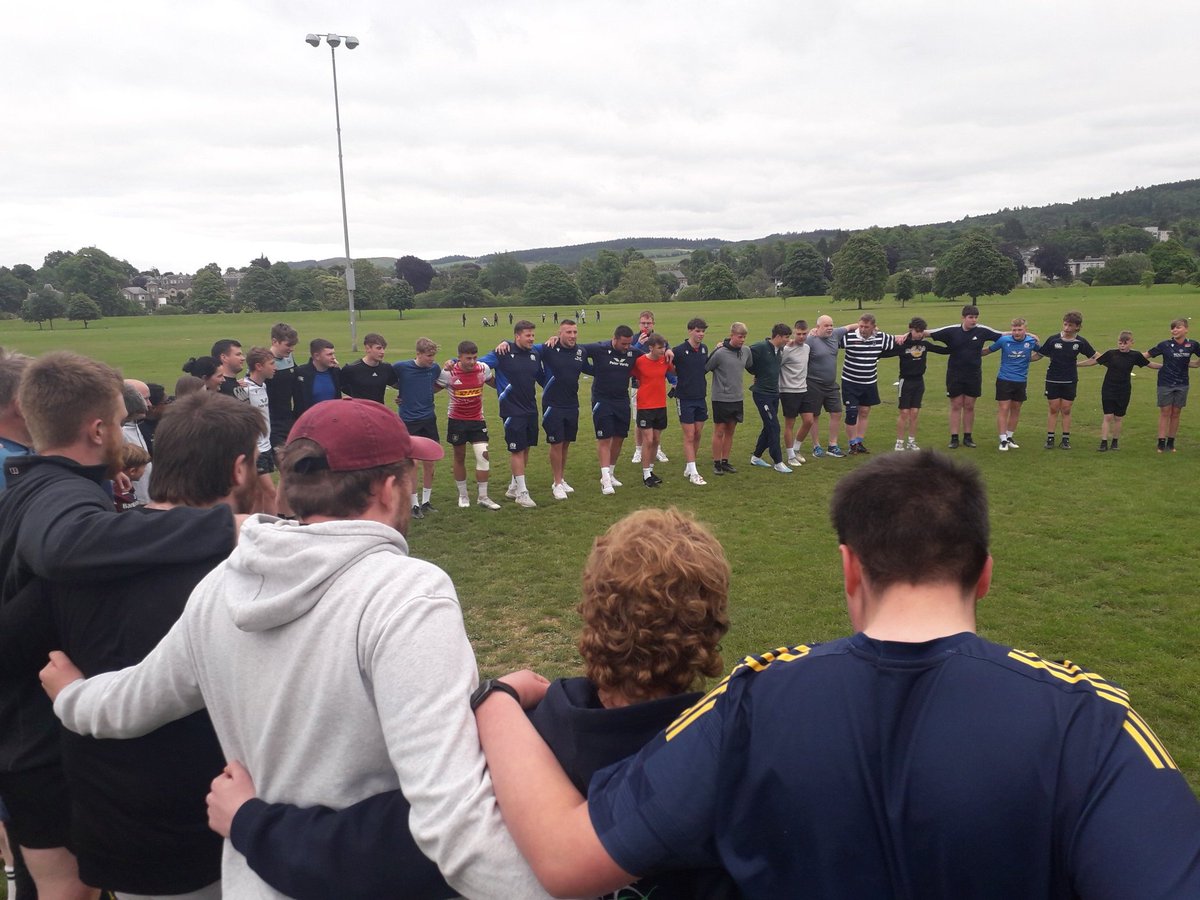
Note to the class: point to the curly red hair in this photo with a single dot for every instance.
(654, 608)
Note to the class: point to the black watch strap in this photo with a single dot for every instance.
(490, 687)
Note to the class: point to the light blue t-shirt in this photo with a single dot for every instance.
(10, 448)
(1015, 356)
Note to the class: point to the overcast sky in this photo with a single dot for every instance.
(176, 134)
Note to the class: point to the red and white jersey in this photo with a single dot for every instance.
(465, 390)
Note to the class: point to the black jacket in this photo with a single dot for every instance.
(302, 386)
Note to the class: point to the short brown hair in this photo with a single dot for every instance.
(12, 367)
(62, 391)
(801, 323)
(284, 333)
(1019, 320)
(374, 340)
(187, 384)
(738, 328)
(1175, 322)
(133, 457)
(468, 347)
(523, 325)
(914, 518)
(321, 492)
(1074, 317)
(1125, 336)
(780, 330)
(258, 356)
(195, 444)
(316, 345)
(654, 339)
(426, 345)
(654, 607)
(869, 318)
(697, 323)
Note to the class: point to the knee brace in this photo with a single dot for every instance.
(482, 463)
(851, 414)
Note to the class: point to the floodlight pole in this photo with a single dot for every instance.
(334, 40)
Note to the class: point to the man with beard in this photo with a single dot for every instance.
(137, 824)
(57, 524)
(365, 657)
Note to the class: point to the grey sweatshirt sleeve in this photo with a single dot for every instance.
(136, 700)
(421, 671)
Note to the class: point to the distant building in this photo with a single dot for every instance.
(1078, 266)
(138, 295)
(1160, 233)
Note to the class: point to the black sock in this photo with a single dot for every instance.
(1049, 437)
(1114, 443)
(1162, 442)
(967, 436)
(1066, 435)
(1170, 442)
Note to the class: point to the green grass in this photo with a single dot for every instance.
(1094, 553)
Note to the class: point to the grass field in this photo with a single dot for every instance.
(1094, 553)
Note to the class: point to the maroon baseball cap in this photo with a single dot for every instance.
(360, 434)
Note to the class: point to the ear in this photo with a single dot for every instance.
(852, 576)
(241, 469)
(984, 584)
(94, 432)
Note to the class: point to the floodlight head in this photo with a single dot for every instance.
(313, 39)
(351, 42)
(333, 40)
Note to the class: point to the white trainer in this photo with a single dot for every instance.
(899, 446)
(912, 444)
(781, 468)
(523, 499)
(637, 455)
(696, 478)
(487, 503)
(795, 459)
(1003, 446)
(511, 493)
(612, 479)
(662, 457)
(760, 462)
(558, 492)
(567, 487)
(1013, 445)
(606, 486)
(464, 502)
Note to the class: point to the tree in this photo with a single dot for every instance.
(803, 271)
(55, 257)
(1148, 279)
(504, 274)
(368, 285)
(1051, 258)
(93, 272)
(974, 267)
(332, 291)
(13, 292)
(906, 286)
(262, 262)
(26, 273)
(209, 293)
(1012, 230)
(44, 305)
(285, 278)
(859, 270)
(749, 260)
(610, 267)
(416, 272)
(82, 308)
(924, 285)
(668, 284)
(1167, 256)
(399, 296)
(1125, 269)
(259, 290)
(550, 285)
(639, 283)
(588, 278)
(1122, 239)
(464, 290)
(717, 282)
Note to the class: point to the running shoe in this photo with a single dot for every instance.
(487, 503)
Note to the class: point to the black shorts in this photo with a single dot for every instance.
(1115, 403)
(610, 419)
(1011, 390)
(964, 384)
(652, 418)
(912, 392)
(265, 464)
(466, 431)
(520, 433)
(728, 411)
(561, 424)
(40, 807)
(1058, 390)
(793, 403)
(854, 394)
(821, 396)
(426, 428)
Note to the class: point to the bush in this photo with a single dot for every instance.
(305, 304)
(688, 294)
(169, 310)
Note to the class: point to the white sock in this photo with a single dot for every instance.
(416, 499)
(520, 480)
(462, 488)
(606, 471)
(646, 473)
(1008, 434)
(482, 489)
(797, 446)
(690, 468)
(426, 493)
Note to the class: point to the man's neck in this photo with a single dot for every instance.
(164, 505)
(367, 361)
(82, 454)
(917, 613)
(319, 366)
(257, 379)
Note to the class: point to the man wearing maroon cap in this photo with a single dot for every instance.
(332, 663)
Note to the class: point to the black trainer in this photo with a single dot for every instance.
(428, 507)
(954, 442)
(416, 513)
(727, 467)
(650, 481)
(1103, 446)
(862, 448)
(1050, 442)
(1066, 444)
(969, 442)
(717, 470)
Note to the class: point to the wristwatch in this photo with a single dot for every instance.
(490, 687)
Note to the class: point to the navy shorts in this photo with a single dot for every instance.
(520, 433)
(39, 806)
(1060, 390)
(561, 424)
(964, 384)
(692, 411)
(854, 394)
(611, 420)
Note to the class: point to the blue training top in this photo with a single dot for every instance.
(415, 384)
(517, 374)
(612, 369)
(1015, 356)
(866, 769)
(561, 367)
(1174, 371)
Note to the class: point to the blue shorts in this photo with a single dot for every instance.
(610, 419)
(854, 394)
(520, 433)
(561, 424)
(692, 411)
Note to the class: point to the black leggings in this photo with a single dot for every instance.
(768, 439)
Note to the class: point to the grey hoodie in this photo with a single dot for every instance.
(335, 667)
(728, 366)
